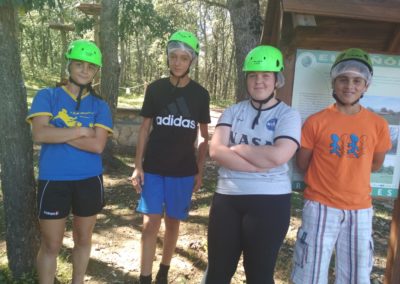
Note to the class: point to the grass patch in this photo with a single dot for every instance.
(130, 101)
(117, 236)
(136, 100)
(219, 103)
(2, 221)
(6, 277)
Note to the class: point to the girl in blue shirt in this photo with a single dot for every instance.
(72, 125)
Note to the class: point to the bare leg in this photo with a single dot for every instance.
(151, 226)
(170, 239)
(82, 233)
(51, 233)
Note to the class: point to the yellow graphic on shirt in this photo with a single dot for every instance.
(68, 120)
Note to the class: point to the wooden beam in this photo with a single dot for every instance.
(89, 8)
(337, 34)
(385, 10)
(392, 273)
(337, 38)
(273, 23)
(394, 43)
(62, 27)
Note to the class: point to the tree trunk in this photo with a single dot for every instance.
(64, 45)
(17, 178)
(111, 69)
(224, 92)
(247, 26)
(123, 55)
(139, 58)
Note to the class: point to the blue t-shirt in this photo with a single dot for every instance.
(62, 161)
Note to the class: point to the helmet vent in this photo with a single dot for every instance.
(84, 50)
(187, 38)
(263, 58)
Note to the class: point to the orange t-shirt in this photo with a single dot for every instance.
(343, 147)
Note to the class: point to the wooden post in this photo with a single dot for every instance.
(392, 273)
(271, 33)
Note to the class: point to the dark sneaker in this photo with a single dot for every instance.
(145, 279)
(162, 279)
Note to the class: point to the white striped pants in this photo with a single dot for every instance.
(325, 229)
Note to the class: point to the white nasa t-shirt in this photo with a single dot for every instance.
(277, 122)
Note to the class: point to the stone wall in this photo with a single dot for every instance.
(127, 123)
(126, 127)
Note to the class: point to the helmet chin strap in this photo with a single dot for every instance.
(179, 77)
(340, 102)
(81, 88)
(260, 102)
(183, 75)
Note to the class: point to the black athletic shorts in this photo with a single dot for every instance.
(56, 198)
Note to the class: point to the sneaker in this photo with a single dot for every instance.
(161, 279)
(145, 279)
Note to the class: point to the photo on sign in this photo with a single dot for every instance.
(389, 109)
(385, 174)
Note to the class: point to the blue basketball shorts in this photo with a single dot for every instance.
(172, 194)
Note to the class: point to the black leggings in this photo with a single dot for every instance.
(253, 224)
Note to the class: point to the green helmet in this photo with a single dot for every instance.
(187, 38)
(84, 50)
(263, 58)
(354, 54)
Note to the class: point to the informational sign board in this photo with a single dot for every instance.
(312, 92)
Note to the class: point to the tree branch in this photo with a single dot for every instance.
(208, 2)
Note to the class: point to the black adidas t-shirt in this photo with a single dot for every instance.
(176, 113)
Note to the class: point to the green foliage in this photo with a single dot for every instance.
(144, 28)
(30, 4)
(130, 101)
(6, 277)
(139, 16)
(41, 47)
(84, 25)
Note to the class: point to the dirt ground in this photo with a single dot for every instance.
(116, 239)
(115, 252)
